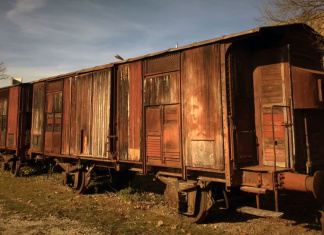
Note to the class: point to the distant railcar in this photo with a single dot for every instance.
(15, 117)
(242, 111)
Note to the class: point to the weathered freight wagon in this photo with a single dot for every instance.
(242, 111)
(15, 119)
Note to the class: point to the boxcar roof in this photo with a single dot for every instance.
(232, 37)
(19, 84)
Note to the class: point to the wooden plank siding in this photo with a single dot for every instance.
(73, 115)
(161, 95)
(270, 87)
(3, 116)
(38, 117)
(101, 121)
(129, 111)
(66, 116)
(201, 108)
(87, 113)
(13, 112)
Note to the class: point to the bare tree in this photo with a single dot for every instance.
(3, 70)
(310, 12)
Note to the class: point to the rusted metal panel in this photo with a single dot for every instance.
(270, 82)
(296, 182)
(129, 105)
(13, 111)
(201, 102)
(307, 88)
(38, 116)
(101, 102)
(258, 179)
(3, 116)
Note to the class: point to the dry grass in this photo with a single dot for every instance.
(39, 204)
(127, 211)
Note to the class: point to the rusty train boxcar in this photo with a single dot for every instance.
(72, 121)
(15, 111)
(243, 120)
(241, 111)
(230, 112)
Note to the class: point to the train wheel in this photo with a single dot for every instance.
(14, 168)
(80, 186)
(201, 210)
(83, 181)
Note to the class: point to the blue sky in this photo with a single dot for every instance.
(42, 38)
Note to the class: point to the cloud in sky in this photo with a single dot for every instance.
(42, 38)
(24, 6)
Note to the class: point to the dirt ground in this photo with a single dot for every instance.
(39, 204)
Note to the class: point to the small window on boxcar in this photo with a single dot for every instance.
(57, 122)
(320, 89)
(57, 103)
(49, 123)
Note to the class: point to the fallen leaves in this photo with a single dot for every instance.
(160, 223)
